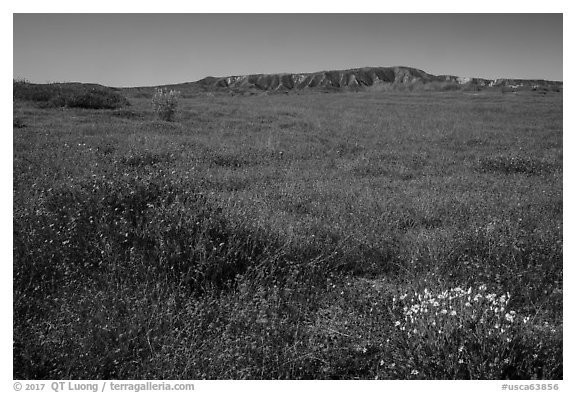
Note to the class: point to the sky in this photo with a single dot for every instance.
(151, 49)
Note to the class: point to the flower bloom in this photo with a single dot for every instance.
(525, 319)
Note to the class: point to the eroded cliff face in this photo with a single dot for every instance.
(368, 78)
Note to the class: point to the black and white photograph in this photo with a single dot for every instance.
(287, 196)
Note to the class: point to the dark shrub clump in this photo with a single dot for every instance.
(58, 95)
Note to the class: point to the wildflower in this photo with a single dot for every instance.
(403, 296)
(468, 304)
(461, 348)
(460, 361)
(509, 317)
(381, 362)
(453, 313)
(414, 372)
(397, 323)
(482, 287)
(443, 311)
(435, 304)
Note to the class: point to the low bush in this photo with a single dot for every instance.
(165, 103)
(58, 95)
(95, 99)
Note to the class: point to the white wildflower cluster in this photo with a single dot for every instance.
(165, 103)
(431, 314)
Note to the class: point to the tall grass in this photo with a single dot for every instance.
(291, 237)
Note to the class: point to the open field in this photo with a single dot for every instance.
(352, 235)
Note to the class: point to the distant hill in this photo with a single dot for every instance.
(367, 78)
(356, 79)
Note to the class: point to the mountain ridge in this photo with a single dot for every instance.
(366, 78)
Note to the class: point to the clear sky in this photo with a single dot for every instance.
(152, 49)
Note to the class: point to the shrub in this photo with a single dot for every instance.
(96, 99)
(57, 95)
(165, 103)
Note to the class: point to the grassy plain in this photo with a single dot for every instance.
(291, 236)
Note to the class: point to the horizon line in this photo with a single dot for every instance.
(289, 73)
